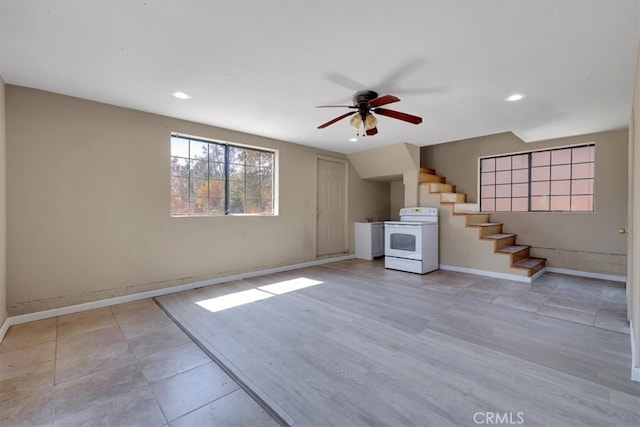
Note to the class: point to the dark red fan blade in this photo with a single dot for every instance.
(330, 122)
(336, 106)
(372, 131)
(383, 100)
(398, 115)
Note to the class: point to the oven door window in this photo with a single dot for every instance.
(403, 242)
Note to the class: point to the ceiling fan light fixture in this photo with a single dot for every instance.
(370, 122)
(356, 121)
(366, 102)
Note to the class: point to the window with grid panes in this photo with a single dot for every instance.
(218, 178)
(555, 180)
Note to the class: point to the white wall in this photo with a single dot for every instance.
(88, 205)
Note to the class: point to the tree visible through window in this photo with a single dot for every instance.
(551, 180)
(217, 178)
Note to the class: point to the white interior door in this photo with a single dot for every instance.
(331, 206)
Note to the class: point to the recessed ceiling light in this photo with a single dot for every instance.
(181, 95)
(354, 139)
(514, 97)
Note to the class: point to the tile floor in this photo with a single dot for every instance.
(130, 365)
(125, 365)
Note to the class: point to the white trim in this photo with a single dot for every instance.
(557, 147)
(538, 274)
(494, 274)
(276, 166)
(590, 274)
(46, 314)
(579, 273)
(516, 153)
(635, 370)
(4, 328)
(250, 274)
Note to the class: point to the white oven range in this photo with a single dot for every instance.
(411, 244)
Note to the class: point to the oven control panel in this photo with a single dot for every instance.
(421, 211)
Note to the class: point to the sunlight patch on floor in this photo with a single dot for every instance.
(289, 285)
(248, 296)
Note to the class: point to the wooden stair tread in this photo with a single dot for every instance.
(513, 249)
(427, 170)
(451, 198)
(465, 208)
(431, 178)
(498, 236)
(439, 187)
(503, 243)
(476, 218)
(529, 262)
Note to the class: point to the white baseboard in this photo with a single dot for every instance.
(4, 328)
(274, 270)
(601, 276)
(492, 273)
(538, 274)
(47, 314)
(517, 278)
(635, 357)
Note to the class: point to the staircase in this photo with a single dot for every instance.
(493, 250)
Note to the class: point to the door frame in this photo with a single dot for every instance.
(347, 229)
(633, 229)
(630, 215)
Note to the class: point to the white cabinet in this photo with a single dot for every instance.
(369, 239)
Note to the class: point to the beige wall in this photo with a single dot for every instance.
(388, 162)
(3, 230)
(369, 199)
(577, 241)
(88, 205)
(397, 200)
(391, 163)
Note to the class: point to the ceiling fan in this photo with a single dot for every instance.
(366, 102)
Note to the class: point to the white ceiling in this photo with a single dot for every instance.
(261, 66)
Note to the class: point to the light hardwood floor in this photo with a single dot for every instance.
(351, 343)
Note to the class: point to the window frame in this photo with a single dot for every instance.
(570, 181)
(227, 147)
